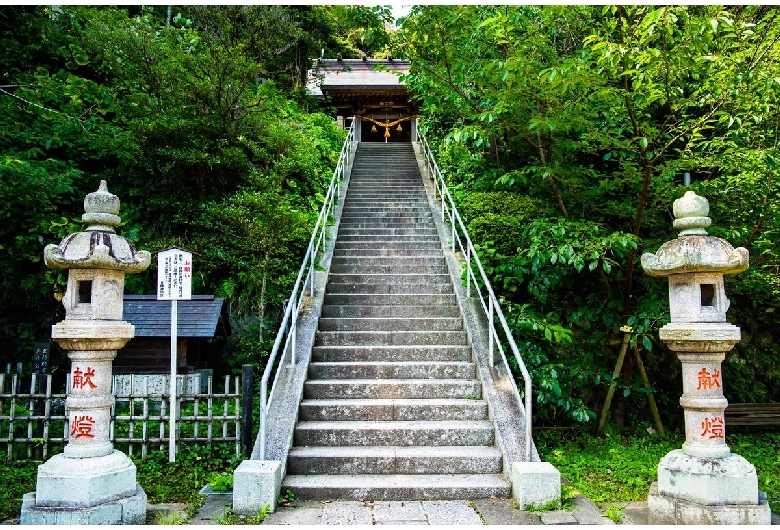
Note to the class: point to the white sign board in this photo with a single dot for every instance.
(174, 275)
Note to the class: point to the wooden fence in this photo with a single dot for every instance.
(34, 424)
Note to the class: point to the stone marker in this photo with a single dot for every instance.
(703, 483)
(91, 482)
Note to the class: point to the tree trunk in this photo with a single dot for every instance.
(261, 309)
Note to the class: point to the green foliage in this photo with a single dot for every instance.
(229, 518)
(18, 478)
(620, 466)
(172, 518)
(614, 513)
(221, 481)
(199, 126)
(287, 498)
(363, 29)
(596, 112)
(498, 218)
(180, 481)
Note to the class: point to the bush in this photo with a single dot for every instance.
(503, 203)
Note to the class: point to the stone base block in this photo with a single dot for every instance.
(130, 510)
(711, 481)
(535, 484)
(84, 482)
(663, 509)
(256, 484)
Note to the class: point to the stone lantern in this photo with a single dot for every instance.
(702, 483)
(91, 482)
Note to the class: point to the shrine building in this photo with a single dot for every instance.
(371, 91)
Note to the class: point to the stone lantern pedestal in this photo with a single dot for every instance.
(702, 483)
(91, 482)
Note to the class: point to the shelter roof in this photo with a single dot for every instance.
(356, 74)
(196, 318)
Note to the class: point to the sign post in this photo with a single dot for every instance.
(174, 283)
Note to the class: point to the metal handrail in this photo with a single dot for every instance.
(288, 327)
(491, 308)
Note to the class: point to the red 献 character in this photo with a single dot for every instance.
(82, 379)
(707, 380)
(81, 427)
(713, 427)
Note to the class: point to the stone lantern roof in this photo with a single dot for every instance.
(99, 246)
(694, 250)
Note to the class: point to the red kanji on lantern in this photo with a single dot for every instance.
(82, 379)
(81, 427)
(707, 380)
(713, 427)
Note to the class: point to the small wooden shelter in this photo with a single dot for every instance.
(203, 326)
(372, 91)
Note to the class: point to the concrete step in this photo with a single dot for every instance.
(413, 200)
(395, 222)
(360, 207)
(396, 289)
(352, 353)
(389, 338)
(399, 433)
(364, 197)
(378, 243)
(389, 299)
(396, 268)
(389, 215)
(360, 223)
(389, 233)
(391, 324)
(394, 460)
(392, 389)
(391, 370)
(404, 180)
(386, 279)
(395, 252)
(355, 236)
(393, 409)
(417, 259)
(377, 311)
(397, 487)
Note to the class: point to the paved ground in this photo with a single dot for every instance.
(463, 512)
(477, 512)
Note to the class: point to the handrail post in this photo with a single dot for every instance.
(311, 271)
(468, 271)
(263, 407)
(491, 330)
(452, 221)
(294, 341)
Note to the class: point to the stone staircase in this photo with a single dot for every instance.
(392, 408)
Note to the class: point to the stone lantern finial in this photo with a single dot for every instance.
(101, 210)
(690, 212)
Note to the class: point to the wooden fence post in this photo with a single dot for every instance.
(247, 391)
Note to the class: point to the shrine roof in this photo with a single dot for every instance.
(196, 318)
(355, 74)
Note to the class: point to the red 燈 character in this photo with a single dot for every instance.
(81, 427)
(83, 379)
(707, 380)
(713, 427)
